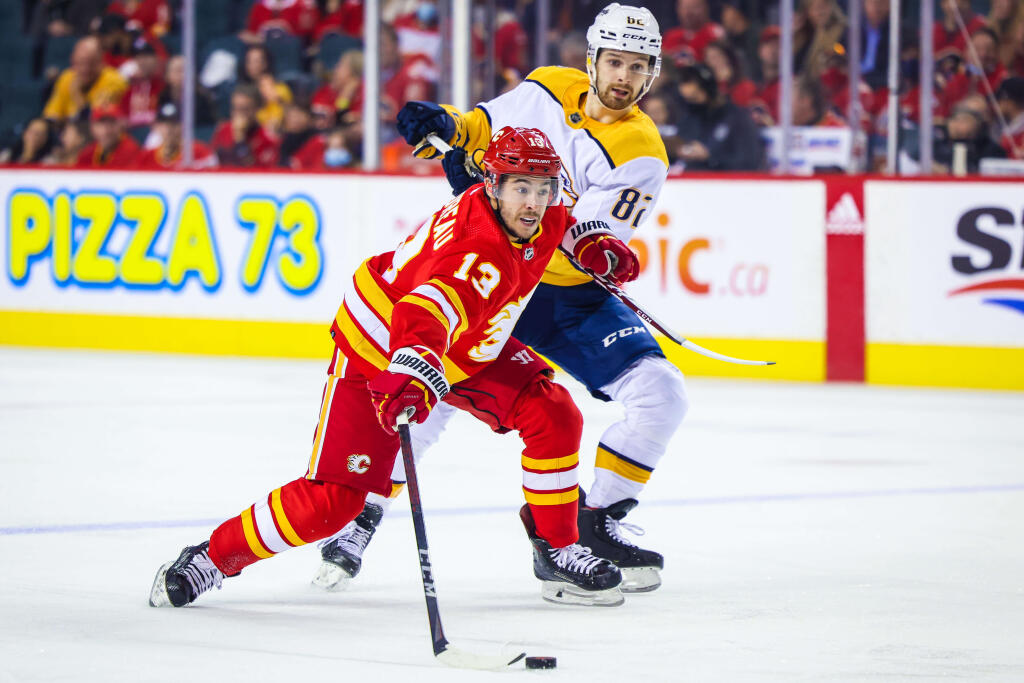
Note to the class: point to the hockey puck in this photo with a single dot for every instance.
(541, 662)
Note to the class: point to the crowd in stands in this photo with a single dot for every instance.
(281, 85)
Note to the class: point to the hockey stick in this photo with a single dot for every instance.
(649, 318)
(620, 294)
(442, 648)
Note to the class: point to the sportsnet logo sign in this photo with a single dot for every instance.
(990, 237)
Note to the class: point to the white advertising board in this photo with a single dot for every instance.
(737, 258)
(945, 263)
(199, 245)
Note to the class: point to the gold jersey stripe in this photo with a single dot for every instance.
(249, 529)
(456, 302)
(361, 343)
(609, 461)
(372, 293)
(551, 463)
(322, 424)
(282, 519)
(430, 306)
(552, 498)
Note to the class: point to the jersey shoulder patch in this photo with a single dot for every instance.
(630, 138)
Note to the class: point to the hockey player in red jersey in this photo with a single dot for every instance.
(433, 321)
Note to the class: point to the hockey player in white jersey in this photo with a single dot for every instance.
(613, 168)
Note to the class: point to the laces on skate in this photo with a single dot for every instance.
(575, 557)
(615, 528)
(202, 574)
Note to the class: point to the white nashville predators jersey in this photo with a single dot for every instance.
(610, 172)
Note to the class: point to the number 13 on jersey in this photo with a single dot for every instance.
(488, 279)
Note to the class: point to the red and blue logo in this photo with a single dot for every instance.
(1005, 284)
(992, 232)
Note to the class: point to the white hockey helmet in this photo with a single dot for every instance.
(626, 28)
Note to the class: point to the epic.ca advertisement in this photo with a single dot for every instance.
(945, 263)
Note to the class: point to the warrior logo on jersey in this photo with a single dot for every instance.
(500, 331)
(358, 463)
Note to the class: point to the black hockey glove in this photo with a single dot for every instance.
(417, 119)
(459, 176)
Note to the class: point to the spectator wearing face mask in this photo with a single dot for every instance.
(324, 151)
(715, 134)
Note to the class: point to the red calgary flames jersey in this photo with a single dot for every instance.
(457, 286)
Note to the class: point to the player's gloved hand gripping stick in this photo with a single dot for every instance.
(432, 139)
(442, 648)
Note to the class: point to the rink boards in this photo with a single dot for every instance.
(839, 279)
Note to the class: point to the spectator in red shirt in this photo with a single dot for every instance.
(151, 17)
(115, 40)
(328, 150)
(168, 155)
(342, 16)
(969, 81)
(405, 78)
(112, 148)
(732, 84)
(140, 102)
(418, 32)
(295, 17)
(765, 106)
(1010, 98)
(685, 43)
(946, 33)
(510, 43)
(241, 140)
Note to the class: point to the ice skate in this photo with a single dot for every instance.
(342, 553)
(601, 531)
(180, 582)
(572, 575)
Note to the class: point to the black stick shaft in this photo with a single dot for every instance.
(429, 593)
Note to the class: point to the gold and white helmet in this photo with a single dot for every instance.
(626, 28)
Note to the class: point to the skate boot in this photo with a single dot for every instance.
(343, 553)
(180, 582)
(601, 531)
(572, 575)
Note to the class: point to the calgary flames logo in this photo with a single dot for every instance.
(500, 331)
(358, 463)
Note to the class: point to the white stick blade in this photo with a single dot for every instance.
(460, 659)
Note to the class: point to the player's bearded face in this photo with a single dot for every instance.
(620, 77)
(522, 201)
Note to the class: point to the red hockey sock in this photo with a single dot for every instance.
(550, 425)
(295, 514)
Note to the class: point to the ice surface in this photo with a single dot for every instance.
(841, 533)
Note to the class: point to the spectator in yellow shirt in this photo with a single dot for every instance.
(86, 83)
